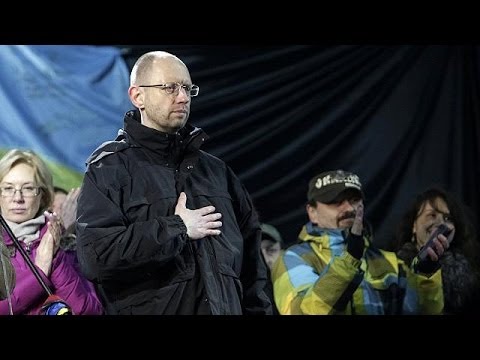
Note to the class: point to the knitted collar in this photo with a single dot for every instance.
(29, 230)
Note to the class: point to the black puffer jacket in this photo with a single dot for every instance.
(130, 243)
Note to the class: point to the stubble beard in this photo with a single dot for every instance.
(166, 122)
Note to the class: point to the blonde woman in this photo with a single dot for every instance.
(26, 192)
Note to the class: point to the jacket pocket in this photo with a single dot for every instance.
(230, 276)
(155, 297)
(151, 303)
(232, 288)
(204, 196)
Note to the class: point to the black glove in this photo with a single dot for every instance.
(355, 243)
(422, 262)
(425, 266)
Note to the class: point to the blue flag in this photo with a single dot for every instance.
(61, 101)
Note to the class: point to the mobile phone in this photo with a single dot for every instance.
(442, 229)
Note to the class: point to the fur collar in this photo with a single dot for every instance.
(460, 282)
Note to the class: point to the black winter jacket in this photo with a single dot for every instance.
(130, 243)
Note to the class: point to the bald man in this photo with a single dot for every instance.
(164, 227)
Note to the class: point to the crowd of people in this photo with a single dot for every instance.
(335, 268)
(160, 226)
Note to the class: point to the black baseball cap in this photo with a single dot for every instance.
(327, 186)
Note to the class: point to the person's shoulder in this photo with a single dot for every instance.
(212, 159)
(109, 148)
(298, 249)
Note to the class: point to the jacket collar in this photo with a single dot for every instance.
(327, 238)
(159, 141)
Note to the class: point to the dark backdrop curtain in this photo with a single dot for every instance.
(401, 117)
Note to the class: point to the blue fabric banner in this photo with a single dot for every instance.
(61, 101)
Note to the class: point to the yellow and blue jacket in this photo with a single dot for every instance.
(318, 276)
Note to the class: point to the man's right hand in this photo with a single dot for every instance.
(357, 227)
(199, 222)
(355, 242)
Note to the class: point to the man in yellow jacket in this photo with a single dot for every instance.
(335, 269)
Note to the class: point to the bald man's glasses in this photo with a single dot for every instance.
(174, 88)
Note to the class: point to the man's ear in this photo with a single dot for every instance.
(136, 97)
(311, 212)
